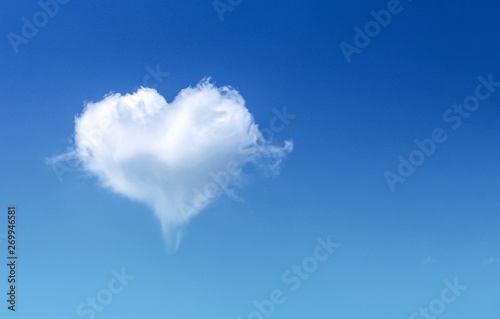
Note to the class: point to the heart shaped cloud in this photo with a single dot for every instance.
(175, 157)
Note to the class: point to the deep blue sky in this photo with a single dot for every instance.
(352, 122)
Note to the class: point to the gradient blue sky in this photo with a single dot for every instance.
(352, 122)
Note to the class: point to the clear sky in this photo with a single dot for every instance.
(404, 240)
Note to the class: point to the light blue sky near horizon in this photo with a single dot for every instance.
(352, 122)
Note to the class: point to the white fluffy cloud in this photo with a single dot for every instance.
(175, 157)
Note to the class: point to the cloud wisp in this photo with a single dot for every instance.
(174, 157)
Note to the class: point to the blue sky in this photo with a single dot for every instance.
(352, 122)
